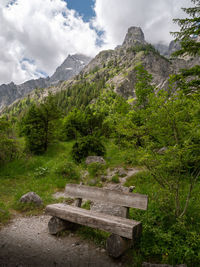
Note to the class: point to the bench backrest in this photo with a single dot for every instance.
(130, 200)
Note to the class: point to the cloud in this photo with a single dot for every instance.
(114, 17)
(37, 35)
(42, 31)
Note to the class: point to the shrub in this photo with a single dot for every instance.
(68, 170)
(115, 179)
(87, 146)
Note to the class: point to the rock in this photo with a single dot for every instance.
(31, 197)
(131, 188)
(103, 178)
(92, 182)
(134, 36)
(121, 172)
(94, 159)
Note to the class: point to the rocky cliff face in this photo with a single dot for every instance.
(72, 65)
(122, 61)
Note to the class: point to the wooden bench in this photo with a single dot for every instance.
(125, 232)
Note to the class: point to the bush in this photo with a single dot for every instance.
(87, 146)
(68, 170)
(115, 179)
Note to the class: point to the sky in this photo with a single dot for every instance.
(37, 35)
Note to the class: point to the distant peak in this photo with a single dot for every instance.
(133, 36)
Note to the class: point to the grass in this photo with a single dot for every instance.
(46, 174)
(33, 173)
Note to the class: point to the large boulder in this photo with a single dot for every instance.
(31, 197)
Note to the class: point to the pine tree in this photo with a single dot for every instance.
(189, 38)
(39, 125)
(189, 31)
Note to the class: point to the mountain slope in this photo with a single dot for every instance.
(72, 65)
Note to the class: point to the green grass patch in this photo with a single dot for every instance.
(43, 175)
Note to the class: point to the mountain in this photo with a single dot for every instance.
(72, 65)
(69, 68)
(110, 69)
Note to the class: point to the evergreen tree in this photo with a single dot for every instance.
(189, 31)
(39, 125)
(143, 86)
(188, 36)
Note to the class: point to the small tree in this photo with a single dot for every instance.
(39, 124)
(143, 86)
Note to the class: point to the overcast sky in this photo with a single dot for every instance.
(37, 35)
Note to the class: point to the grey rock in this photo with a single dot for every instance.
(31, 197)
(121, 172)
(173, 47)
(134, 36)
(103, 178)
(95, 159)
(92, 181)
(131, 188)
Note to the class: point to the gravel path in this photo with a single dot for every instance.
(26, 242)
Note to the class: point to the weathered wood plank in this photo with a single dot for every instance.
(131, 200)
(116, 225)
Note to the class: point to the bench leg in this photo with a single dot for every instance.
(56, 225)
(117, 245)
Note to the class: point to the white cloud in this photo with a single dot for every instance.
(37, 35)
(154, 17)
(43, 31)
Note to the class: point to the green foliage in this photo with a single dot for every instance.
(189, 30)
(87, 146)
(81, 123)
(69, 171)
(8, 145)
(146, 48)
(115, 179)
(164, 238)
(4, 213)
(39, 124)
(188, 79)
(143, 86)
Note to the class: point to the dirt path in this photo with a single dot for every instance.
(26, 242)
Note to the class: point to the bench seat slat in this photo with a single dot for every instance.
(132, 200)
(116, 225)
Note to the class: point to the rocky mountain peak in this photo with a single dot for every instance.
(72, 65)
(134, 36)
